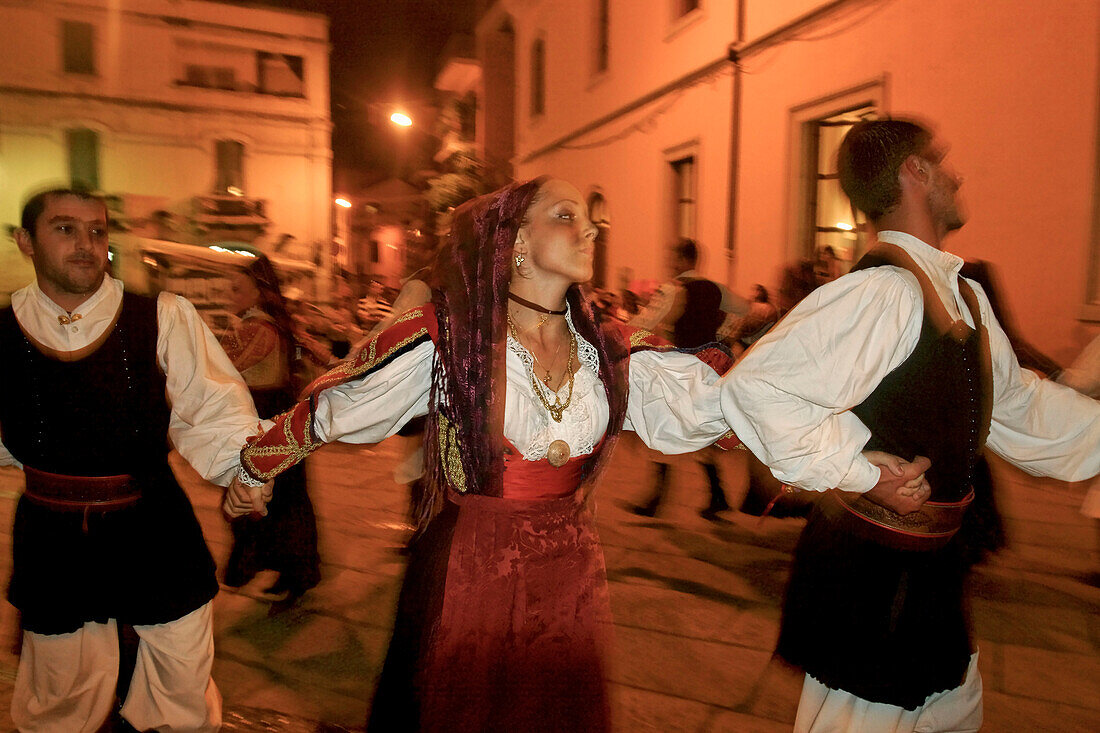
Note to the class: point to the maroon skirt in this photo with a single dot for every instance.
(503, 622)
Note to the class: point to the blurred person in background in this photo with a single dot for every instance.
(827, 267)
(688, 310)
(797, 281)
(263, 348)
(748, 328)
(1083, 375)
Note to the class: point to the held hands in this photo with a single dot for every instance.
(902, 486)
(241, 500)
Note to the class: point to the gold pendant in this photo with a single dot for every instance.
(558, 453)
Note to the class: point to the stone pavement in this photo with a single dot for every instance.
(696, 606)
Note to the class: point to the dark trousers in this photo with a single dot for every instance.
(717, 501)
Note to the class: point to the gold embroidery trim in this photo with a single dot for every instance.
(353, 368)
(450, 456)
(640, 337)
(409, 315)
(293, 450)
(728, 435)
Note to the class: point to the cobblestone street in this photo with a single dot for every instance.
(696, 606)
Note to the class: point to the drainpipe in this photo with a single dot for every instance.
(735, 143)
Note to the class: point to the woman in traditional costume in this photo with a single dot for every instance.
(261, 347)
(503, 618)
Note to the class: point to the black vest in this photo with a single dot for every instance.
(934, 403)
(702, 315)
(886, 624)
(104, 414)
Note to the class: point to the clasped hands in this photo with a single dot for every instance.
(241, 500)
(902, 486)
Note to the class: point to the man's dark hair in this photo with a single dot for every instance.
(36, 204)
(869, 159)
(687, 250)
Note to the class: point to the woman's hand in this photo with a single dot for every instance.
(241, 500)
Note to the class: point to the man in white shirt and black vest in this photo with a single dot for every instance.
(97, 382)
(903, 357)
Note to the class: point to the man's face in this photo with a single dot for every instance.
(68, 247)
(944, 182)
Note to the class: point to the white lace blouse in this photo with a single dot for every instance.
(672, 402)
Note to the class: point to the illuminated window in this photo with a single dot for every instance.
(77, 47)
(229, 162)
(83, 147)
(830, 217)
(538, 77)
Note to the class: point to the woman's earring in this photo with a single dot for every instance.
(522, 270)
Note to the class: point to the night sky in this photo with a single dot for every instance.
(384, 52)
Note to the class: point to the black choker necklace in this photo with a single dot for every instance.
(535, 306)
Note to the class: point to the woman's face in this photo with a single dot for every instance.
(243, 293)
(558, 239)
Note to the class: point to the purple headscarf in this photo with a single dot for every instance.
(472, 276)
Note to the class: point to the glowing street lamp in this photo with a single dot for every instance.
(343, 203)
(401, 119)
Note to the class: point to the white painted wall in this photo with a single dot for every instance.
(1011, 85)
(157, 137)
(648, 50)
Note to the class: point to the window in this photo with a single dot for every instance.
(603, 36)
(683, 7)
(211, 77)
(597, 212)
(77, 47)
(832, 220)
(280, 74)
(683, 187)
(538, 77)
(236, 68)
(83, 146)
(229, 176)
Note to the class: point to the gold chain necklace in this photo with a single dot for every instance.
(512, 328)
(558, 407)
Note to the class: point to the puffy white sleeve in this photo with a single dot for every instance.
(1041, 427)
(212, 411)
(790, 398)
(375, 406)
(6, 458)
(673, 402)
(1083, 374)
